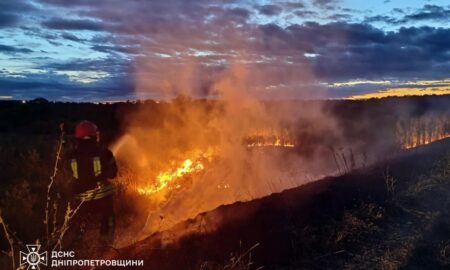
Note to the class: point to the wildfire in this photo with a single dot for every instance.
(270, 139)
(173, 178)
(276, 143)
(417, 141)
(169, 178)
(422, 130)
(196, 162)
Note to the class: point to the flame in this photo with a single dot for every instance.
(270, 138)
(197, 161)
(421, 131)
(417, 141)
(169, 178)
(277, 143)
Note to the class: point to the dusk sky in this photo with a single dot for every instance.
(85, 50)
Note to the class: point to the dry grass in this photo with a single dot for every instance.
(241, 260)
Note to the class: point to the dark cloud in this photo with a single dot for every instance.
(349, 51)
(67, 24)
(13, 50)
(270, 10)
(381, 18)
(74, 3)
(59, 87)
(160, 42)
(328, 4)
(429, 12)
(10, 11)
(16, 6)
(71, 37)
(426, 13)
(305, 13)
(113, 66)
(339, 51)
(293, 5)
(109, 49)
(340, 17)
(7, 19)
(239, 12)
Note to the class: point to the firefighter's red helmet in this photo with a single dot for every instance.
(86, 130)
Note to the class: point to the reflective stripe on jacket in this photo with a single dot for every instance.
(91, 166)
(97, 193)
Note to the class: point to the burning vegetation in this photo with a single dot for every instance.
(422, 130)
(182, 158)
(270, 138)
(200, 154)
(172, 178)
(196, 162)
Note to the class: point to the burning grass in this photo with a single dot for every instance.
(197, 161)
(189, 177)
(172, 178)
(193, 159)
(422, 130)
(270, 138)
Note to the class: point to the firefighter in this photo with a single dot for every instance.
(92, 167)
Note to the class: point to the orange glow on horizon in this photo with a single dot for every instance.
(402, 92)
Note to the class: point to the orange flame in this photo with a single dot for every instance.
(421, 131)
(168, 178)
(270, 138)
(196, 162)
(416, 141)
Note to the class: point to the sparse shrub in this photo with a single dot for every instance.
(390, 183)
(444, 252)
(359, 221)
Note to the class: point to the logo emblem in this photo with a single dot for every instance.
(33, 258)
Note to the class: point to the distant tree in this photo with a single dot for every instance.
(39, 100)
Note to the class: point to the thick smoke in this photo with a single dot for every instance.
(215, 132)
(231, 70)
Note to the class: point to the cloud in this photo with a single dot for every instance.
(172, 37)
(16, 6)
(68, 24)
(429, 12)
(59, 87)
(326, 4)
(115, 66)
(426, 13)
(114, 49)
(270, 10)
(10, 11)
(381, 18)
(71, 37)
(161, 41)
(7, 19)
(13, 50)
(350, 51)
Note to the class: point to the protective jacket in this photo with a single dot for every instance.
(91, 166)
